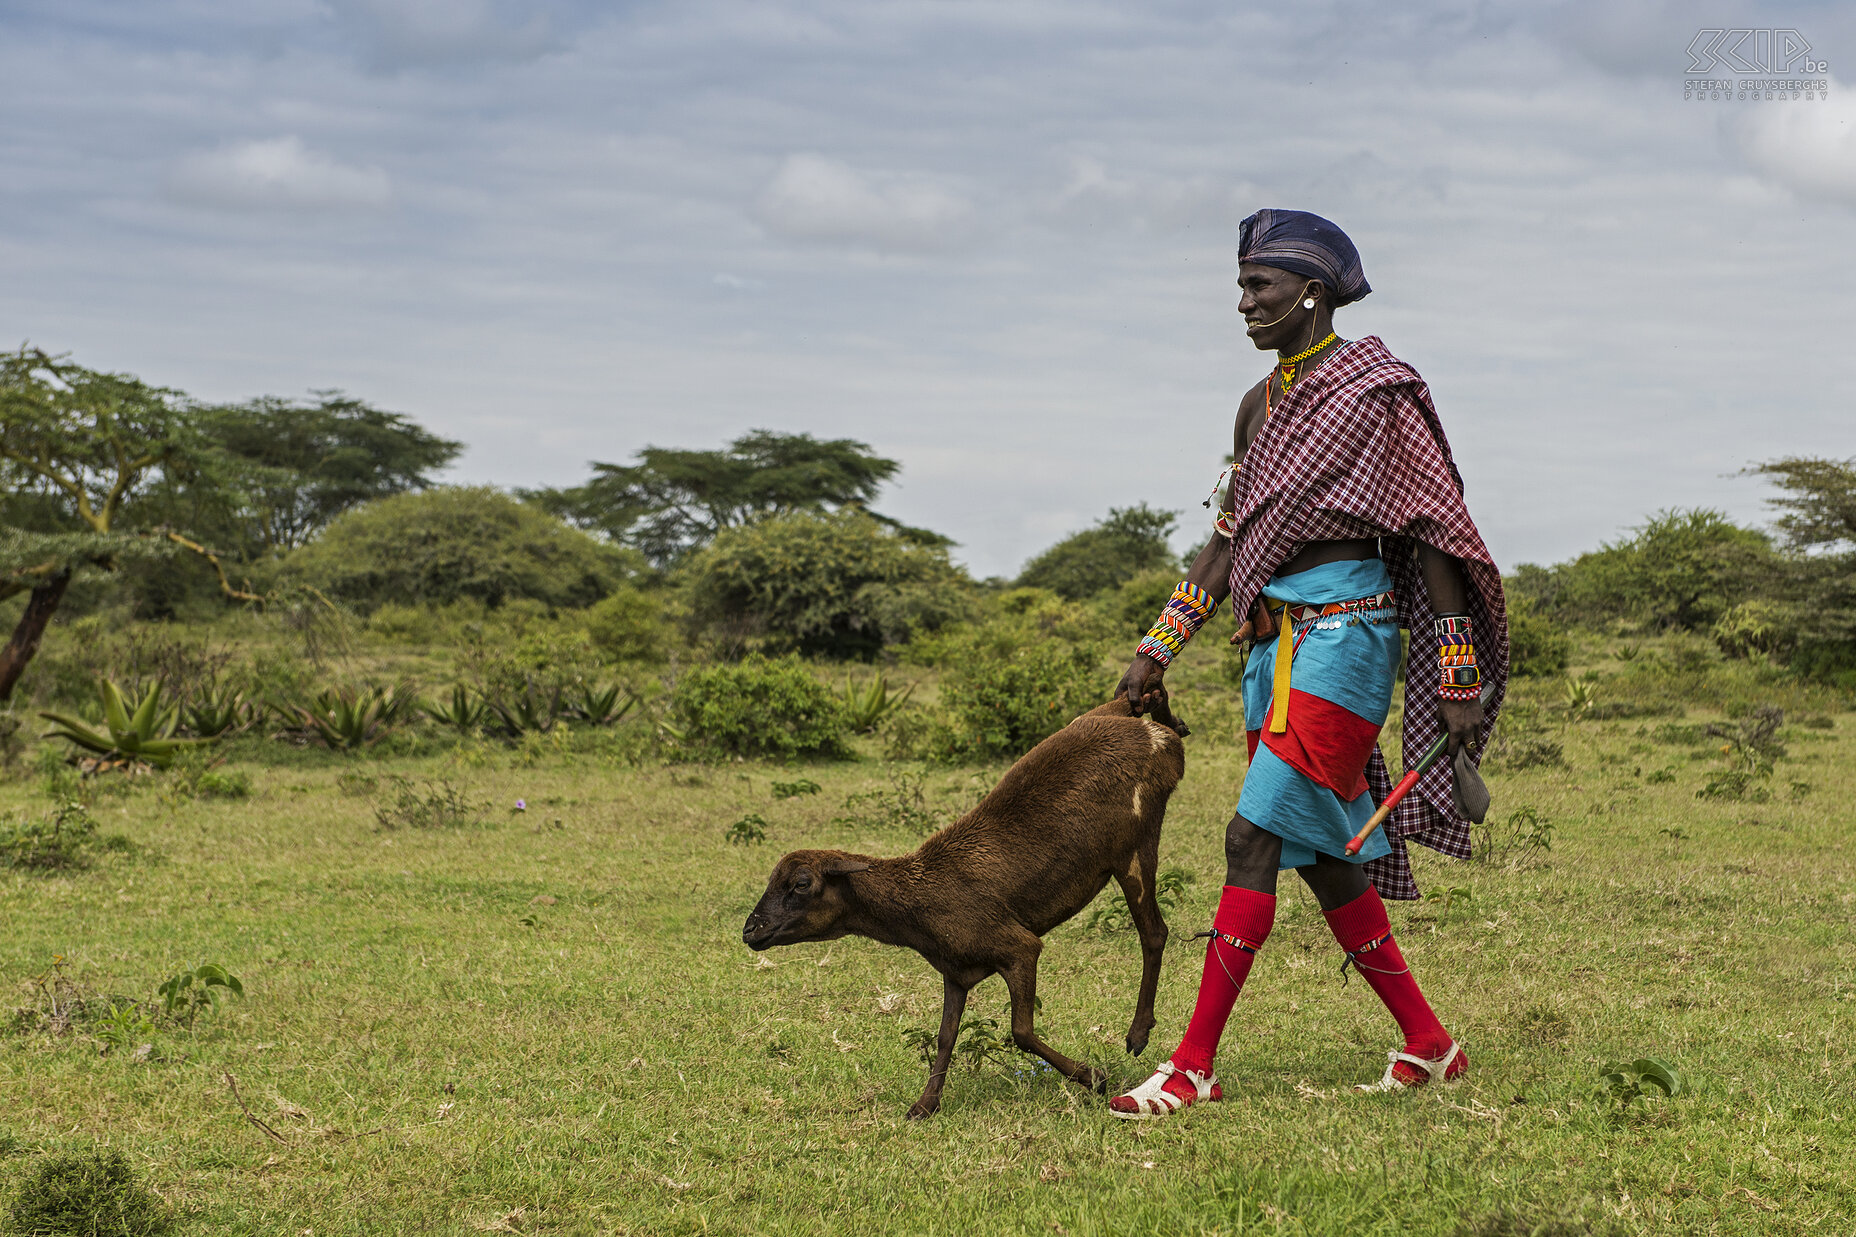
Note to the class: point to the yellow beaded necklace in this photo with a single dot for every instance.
(1287, 366)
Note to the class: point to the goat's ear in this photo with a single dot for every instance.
(844, 867)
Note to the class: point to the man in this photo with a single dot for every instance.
(1344, 521)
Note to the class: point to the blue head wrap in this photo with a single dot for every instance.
(1294, 240)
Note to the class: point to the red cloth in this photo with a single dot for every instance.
(1356, 450)
(1325, 743)
(1361, 922)
(1247, 915)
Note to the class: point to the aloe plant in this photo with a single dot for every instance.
(530, 709)
(140, 730)
(224, 712)
(867, 706)
(345, 718)
(600, 706)
(463, 713)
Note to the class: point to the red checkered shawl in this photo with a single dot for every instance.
(1355, 450)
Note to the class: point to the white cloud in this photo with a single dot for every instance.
(1807, 145)
(277, 173)
(813, 198)
(737, 283)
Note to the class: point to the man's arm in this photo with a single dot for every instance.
(1211, 570)
(1449, 589)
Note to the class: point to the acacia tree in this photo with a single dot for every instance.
(297, 465)
(673, 501)
(78, 447)
(1818, 522)
(1819, 500)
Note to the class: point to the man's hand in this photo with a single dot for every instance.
(1143, 685)
(1462, 721)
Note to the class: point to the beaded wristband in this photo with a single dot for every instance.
(1186, 612)
(1459, 676)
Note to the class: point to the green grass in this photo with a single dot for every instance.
(441, 1050)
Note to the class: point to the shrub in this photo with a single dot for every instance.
(1756, 627)
(760, 707)
(750, 829)
(433, 806)
(1682, 569)
(1138, 602)
(453, 543)
(88, 1194)
(840, 584)
(1127, 541)
(628, 625)
(903, 806)
(194, 776)
(1003, 706)
(53, 843)
(1013, 619)
(1538, 647)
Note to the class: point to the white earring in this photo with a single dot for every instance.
(1308, 302)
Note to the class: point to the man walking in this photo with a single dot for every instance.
(1343, 522)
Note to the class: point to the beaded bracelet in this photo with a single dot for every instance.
(1459, 676)
(1186, 612)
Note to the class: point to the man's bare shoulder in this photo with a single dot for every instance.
(1250, 413)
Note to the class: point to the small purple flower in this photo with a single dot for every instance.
(521, 805)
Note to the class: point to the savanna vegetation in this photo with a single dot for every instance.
(375, 854)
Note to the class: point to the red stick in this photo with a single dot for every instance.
(1407, 782)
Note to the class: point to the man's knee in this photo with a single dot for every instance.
(1246, 846)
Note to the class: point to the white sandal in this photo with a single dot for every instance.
(1391, 1082)
(1152, 1099)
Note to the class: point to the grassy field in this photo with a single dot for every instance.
(543, 1021)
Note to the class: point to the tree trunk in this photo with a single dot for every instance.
(25, 642)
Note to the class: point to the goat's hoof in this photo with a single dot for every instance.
(921, 1109)
(1095, 1080)
(1137, 1042)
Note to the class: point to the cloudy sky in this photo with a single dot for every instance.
(993, 239)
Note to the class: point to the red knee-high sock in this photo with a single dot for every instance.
(1365, 933)
(1246, 915)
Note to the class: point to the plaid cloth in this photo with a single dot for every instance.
(1355, 450)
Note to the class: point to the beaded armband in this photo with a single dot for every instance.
(1459, 676)
(1185, 613)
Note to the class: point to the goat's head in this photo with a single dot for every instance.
(804, 901)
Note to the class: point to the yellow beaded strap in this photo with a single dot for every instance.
(1286, 374)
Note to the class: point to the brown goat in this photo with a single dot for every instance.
(1082, 806)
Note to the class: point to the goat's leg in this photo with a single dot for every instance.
(1020, 973)
(1137, 885)
(953, 1004)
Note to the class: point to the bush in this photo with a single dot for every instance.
(1017, 617)
(1756, 627)
(1537, 646)
(88, 1194)
(54, 843)
(1003, 706)
(1683, 569)
(1138, 602)
(838, 584)
(445, 545)
(1129, 540)
(628, 625)
(760, 707)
